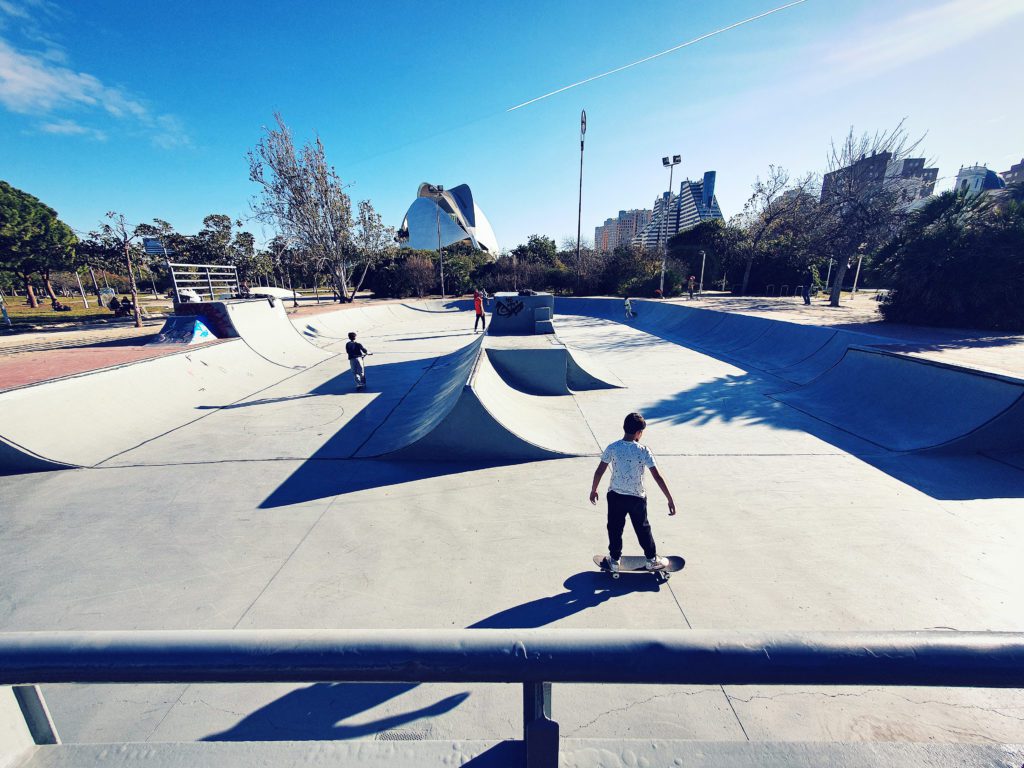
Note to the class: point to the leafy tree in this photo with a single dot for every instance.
(33, 240)
(302, 194)
(959, 262)
(538, 249)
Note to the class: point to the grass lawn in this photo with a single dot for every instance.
(22, 315)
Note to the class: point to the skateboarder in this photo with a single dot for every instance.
(356, 352)
(478, 306)
(628, 306)
(626, 494)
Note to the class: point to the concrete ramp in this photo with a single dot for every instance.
(267, 330)
(187, 329)
(904, 403)
(103, 413)
(263, 325)
(462, 410)
(542, 365)
(791, 351)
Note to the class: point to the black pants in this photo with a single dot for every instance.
(480, 319)
(807, 294)
(619, 506)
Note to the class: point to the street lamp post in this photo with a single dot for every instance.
(440, 254)
(860, 257)
(700, 287)
(669, 163)
(579, 213)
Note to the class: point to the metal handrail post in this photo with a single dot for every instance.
(540, 732)
(209, 281)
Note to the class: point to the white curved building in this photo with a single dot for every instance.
(440, 217)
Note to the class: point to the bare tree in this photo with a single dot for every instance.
(864, 195)
(371, 243)
(761, 214)
(420, 271)
(118, 237)
(302, 194)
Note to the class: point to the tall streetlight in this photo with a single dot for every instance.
(438, 190)
(579, 214)
(669, 163)
(700, 287)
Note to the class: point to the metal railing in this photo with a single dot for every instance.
(207, 281)
(537, 658)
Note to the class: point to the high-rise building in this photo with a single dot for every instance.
(696, 202)
(621, 229)
(909, 176)
(1015, 174)
(975, 179)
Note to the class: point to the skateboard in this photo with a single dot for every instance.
(638, 564)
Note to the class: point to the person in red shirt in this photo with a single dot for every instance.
(478, 306)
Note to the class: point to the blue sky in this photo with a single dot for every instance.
(149, 108)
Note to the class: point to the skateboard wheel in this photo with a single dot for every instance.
(615, 575)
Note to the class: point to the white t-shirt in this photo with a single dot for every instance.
(628, 460)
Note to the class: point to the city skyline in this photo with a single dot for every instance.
(100, 113)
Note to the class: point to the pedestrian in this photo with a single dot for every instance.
(478, 306)
(626, 495)
(691, 286)
(808, 284)
(356, 352)
(628, 306)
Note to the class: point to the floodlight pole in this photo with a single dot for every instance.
(579, 214)
(669, 162)
(440, 254)
(81, 290)
(700, 287)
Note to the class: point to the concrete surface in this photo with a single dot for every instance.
(490, 754)
(257, 516)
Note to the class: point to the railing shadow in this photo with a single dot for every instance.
(316, 712)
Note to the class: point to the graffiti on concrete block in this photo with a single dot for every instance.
(508, 307)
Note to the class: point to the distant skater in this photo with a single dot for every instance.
(478, 306)
(808, 284)
(628, 306)
(356, 352)
(626, 494)
(691, 286)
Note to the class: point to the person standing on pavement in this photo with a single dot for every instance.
(478, 307)
(691, 286)
(808, 284)
(356, 352)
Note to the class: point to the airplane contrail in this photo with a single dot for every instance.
(656, 55)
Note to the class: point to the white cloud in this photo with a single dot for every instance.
(71, 128)
(34, 84)
(921, 33)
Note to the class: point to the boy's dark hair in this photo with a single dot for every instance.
(634, 423)
(352, 336)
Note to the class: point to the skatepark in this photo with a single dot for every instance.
(825, 483)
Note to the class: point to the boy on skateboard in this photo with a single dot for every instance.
(626, 494)
(356, 352)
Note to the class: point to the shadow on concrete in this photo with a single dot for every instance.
(587, 589)
(316, 711)
(331, 470)
(743, 397)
